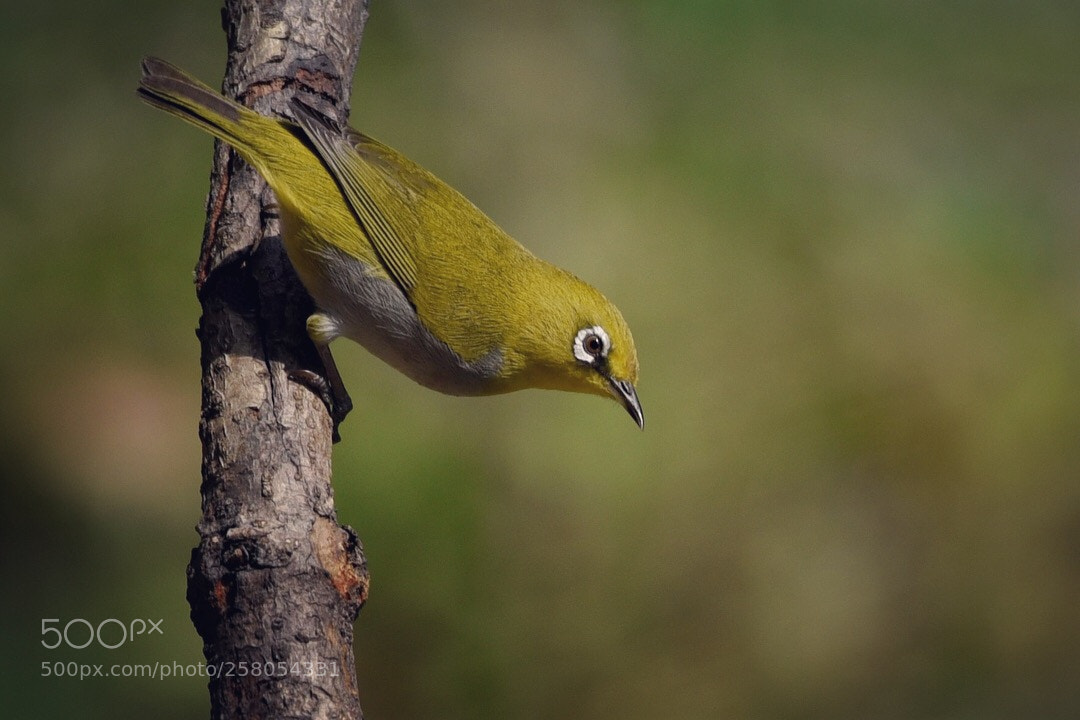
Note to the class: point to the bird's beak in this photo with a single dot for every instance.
(626, 394)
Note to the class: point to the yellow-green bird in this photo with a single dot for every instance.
(403, 264)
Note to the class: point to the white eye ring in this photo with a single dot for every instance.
(591, 358)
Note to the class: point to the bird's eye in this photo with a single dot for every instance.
(592, 345)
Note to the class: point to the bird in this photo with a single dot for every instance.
(403, 264)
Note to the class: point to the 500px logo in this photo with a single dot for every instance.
(110, 633)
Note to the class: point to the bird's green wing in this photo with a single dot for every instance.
(381, 210)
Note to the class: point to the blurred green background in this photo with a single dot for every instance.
(846, 237)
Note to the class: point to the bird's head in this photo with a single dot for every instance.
(575, 339)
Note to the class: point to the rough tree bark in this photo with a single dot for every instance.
(275, 583)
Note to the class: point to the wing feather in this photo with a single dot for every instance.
(369, 195)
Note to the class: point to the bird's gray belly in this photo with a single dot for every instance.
(374, 312)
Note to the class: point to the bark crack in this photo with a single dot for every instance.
(213, 217)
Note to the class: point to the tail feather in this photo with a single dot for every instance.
(274, 147)
(169, 88)
(156, 67)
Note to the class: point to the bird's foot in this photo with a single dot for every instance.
(334, 396)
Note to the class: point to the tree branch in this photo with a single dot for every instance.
(275, 583)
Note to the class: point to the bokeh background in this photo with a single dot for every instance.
(846, 237)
